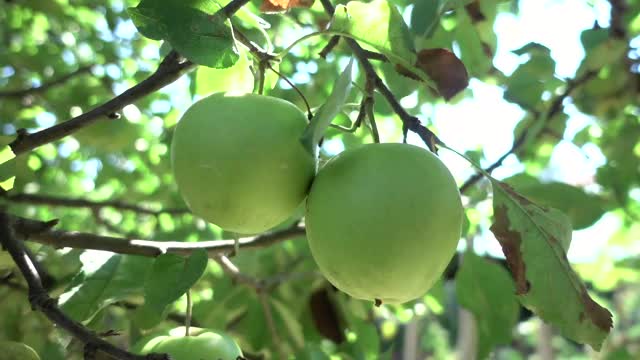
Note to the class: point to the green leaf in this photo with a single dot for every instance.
(424, 16)
(328, 111)
(171, 276)
(148, 23)
(379, 25)
(287, 319)
(533, 240)
(583, 209)
(100, 284)
(7, 164)
(486, 289)
(533, 48)
(526, 85)
(193, 28)
(605, 53)
(472, 52)
(236, 79)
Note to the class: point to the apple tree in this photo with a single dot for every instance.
(283, 179)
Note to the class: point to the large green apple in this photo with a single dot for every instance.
(11, 350)
(201, 345)
(239, 163)
(383, 221)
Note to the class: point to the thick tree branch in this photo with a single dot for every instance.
(46, 86)
(41, 301)
(617, 27)
(409, 122)
(51, 200)
(170, 69)
(554, 109)
(39, 232)
(333, 42)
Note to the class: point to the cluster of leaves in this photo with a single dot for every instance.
(283, 306)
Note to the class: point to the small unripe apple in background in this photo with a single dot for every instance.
(239, 163)
(12, 350)
(383, 221)
(202, 344)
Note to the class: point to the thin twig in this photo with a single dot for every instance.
(368, 103)
(554, 109)
(46, 86)
(41, 301)
(232, 7)
(306, 103)
(372, 55)
(409, 122)
(52, 200)
(35, 231)
(333, 42)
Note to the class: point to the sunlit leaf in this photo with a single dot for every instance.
(235, 79)
(192, 27)
(328, 111)
(534, 243)
(379, 25)
(7, 164)
(171, 276)
(583, 209)
(104, 282)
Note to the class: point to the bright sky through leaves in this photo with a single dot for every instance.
(488, 120)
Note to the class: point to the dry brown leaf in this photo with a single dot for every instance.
(273, 6)
(445, 69)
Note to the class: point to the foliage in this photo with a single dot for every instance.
(107, 177)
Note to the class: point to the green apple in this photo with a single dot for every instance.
(201, 345)
(383, 221)
(11, 350)
(239, 163)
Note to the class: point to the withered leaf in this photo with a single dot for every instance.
(273, 6)
(534, 240)
(445, 69)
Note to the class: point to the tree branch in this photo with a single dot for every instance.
(554, 109)
(89, 204)
(46, 86)
(232, 7)
(37, 231)
(172, 67)
(409, 122)
(169, 70)
(41, 301)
